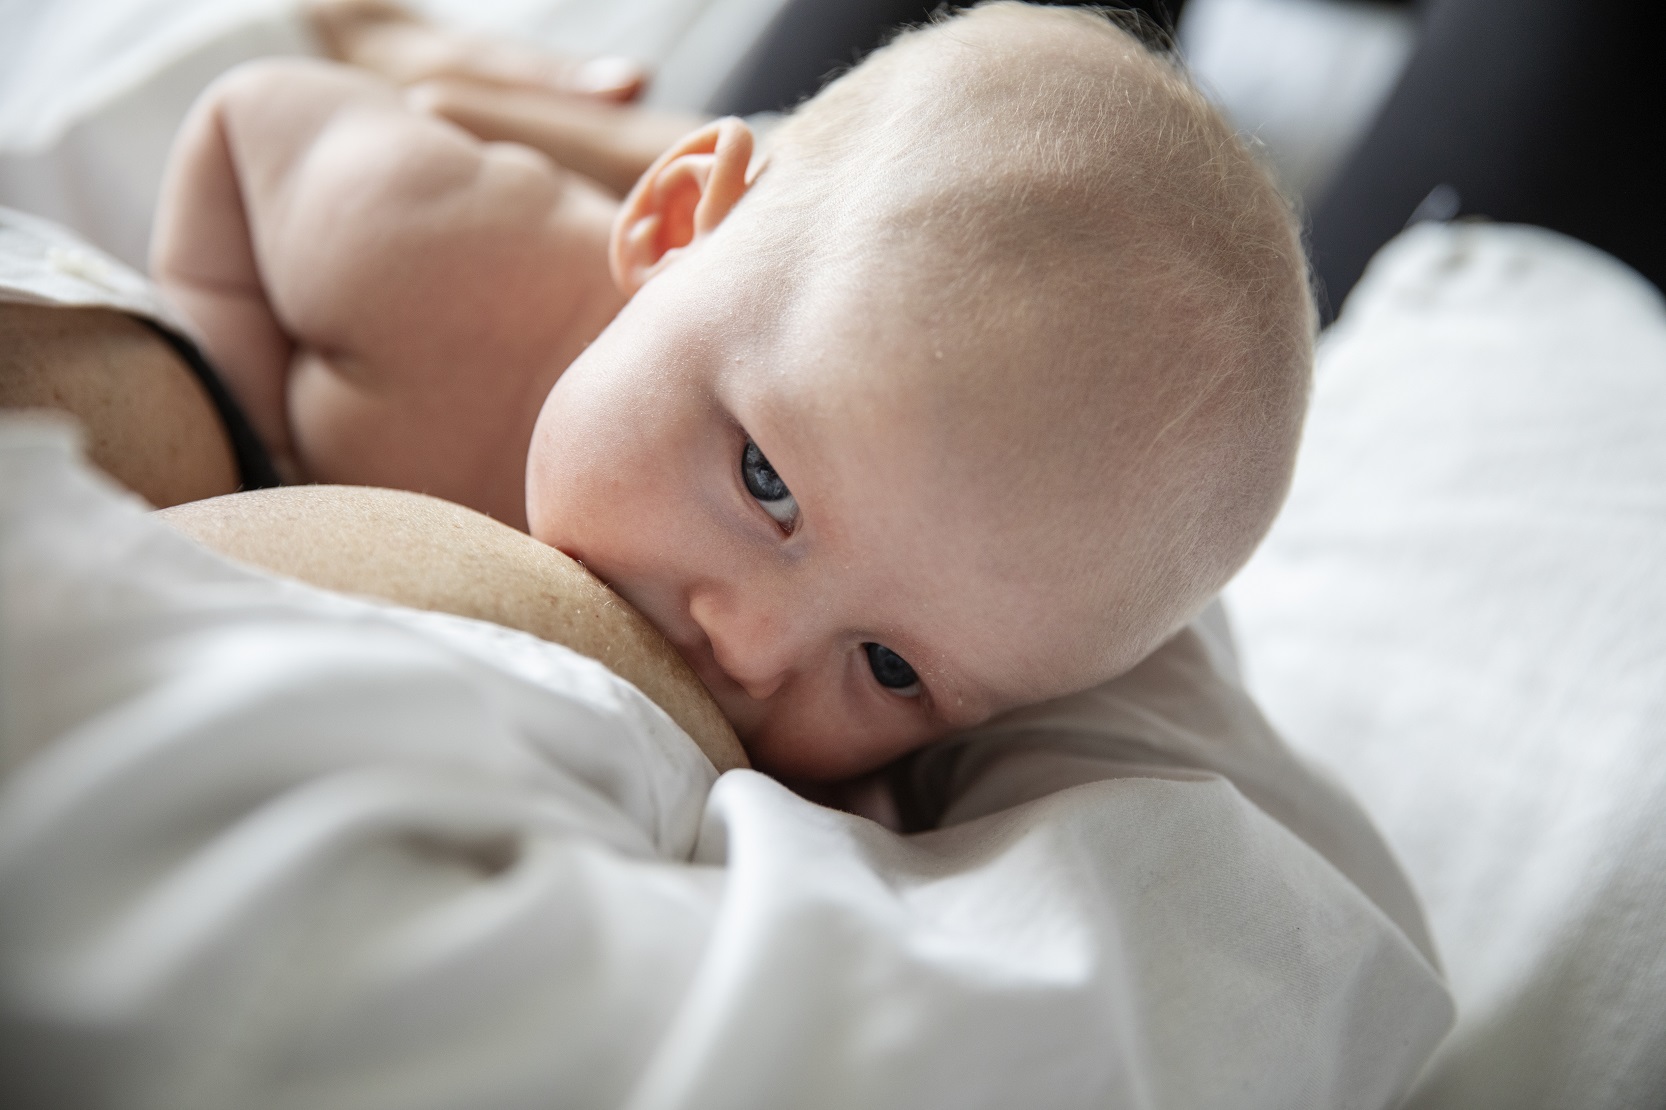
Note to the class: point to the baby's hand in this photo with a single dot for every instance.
(400, 46)
(612, 144)
(577, 111)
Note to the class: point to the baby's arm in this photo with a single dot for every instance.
(266, 236)
(203, 256)
(349, 261)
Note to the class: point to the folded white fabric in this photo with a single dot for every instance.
(1463, 612)
(43, 263)
(262, 846)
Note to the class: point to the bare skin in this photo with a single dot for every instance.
(389, 40)
(578, 111)
(148, 422)
(612, 144)
(389, 299)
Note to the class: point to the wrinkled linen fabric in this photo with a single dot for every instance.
(265, 846)
(43, 263)
(1462, 613)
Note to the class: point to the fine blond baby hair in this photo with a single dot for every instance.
(1042, 173)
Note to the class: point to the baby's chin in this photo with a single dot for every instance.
(803, 753)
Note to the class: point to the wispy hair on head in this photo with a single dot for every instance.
(1053, 172)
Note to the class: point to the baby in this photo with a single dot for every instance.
(966, 393)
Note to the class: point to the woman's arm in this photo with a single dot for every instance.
(430, 554)
(147, 420)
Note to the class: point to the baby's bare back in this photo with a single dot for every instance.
(390, 298)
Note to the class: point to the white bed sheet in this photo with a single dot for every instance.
(262, 846)
(1462, 612)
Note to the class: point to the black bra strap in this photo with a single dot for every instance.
(254, 463)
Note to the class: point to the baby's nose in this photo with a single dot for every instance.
(751, 646)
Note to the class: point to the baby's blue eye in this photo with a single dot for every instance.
(767, 487)
(892, 671)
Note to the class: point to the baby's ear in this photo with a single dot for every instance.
(684, 195)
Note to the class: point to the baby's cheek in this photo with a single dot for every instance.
(544, 510)
(560, 474)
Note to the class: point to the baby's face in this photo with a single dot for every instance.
(759, 466)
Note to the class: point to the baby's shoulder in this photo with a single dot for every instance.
(378, 226)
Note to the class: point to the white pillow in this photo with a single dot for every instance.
(1462, 612)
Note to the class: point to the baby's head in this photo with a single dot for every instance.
(966, 394)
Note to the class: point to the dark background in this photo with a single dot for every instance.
(1544, 112)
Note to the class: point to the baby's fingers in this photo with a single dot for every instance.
(427, 53)
(392, 42)
(609, 143)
